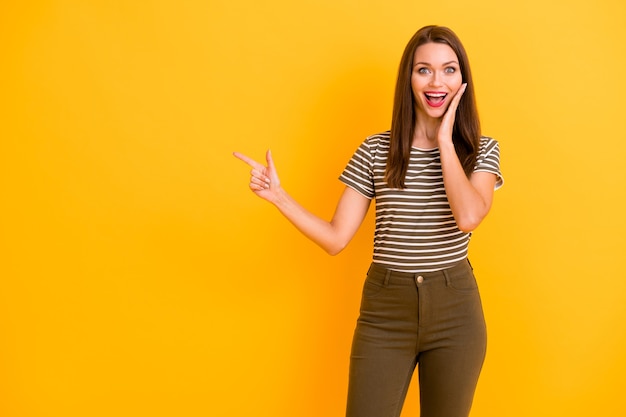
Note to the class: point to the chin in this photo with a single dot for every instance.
(436, 113)
(433, 113)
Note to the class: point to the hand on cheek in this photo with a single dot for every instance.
(447, 122)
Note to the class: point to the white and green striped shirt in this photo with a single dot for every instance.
(415, 228)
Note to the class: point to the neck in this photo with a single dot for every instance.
(425, 132)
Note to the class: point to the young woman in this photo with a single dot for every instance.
(433, 176)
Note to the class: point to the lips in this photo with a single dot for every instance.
(435, 99)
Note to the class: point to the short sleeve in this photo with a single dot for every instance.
(359, 173)
(488, 159)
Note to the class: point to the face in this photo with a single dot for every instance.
(435, 79)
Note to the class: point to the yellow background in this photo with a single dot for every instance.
(140, 277)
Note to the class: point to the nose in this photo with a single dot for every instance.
(436, 79)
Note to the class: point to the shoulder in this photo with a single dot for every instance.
(379, 138)
(487, 142)
(378, 142)
(487, 146)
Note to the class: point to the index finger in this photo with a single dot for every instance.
(247, 160)
(459, 93)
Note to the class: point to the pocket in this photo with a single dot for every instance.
(464, 283)
(375, 283)
(371, 288)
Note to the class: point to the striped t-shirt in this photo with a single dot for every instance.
(415, 229)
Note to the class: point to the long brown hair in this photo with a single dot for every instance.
(466, 132)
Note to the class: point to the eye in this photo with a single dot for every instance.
(423, 70)
(450, 70)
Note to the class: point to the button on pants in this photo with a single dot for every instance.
(433, 321)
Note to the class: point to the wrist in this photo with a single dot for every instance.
(445, 144)
(280, 197)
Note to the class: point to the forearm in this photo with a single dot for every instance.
(468, 205)
(318, 230)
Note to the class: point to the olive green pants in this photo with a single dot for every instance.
(431, 320)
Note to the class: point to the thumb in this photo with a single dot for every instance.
(270, 161)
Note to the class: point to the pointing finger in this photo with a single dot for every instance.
(247, 160)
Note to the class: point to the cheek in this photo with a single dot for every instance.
(417, 84)
(456, 82)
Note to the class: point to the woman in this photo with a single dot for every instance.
(433, 176)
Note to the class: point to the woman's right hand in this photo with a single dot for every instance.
(264, 181)
(332, 236)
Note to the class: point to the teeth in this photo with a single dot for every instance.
(436, 94)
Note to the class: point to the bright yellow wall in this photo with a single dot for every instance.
(140, 277)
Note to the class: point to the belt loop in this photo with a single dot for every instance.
(387, 275)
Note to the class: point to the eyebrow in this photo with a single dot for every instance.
(428, 64)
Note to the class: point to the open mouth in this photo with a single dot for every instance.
(435, 99)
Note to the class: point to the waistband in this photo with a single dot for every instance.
(389, 273)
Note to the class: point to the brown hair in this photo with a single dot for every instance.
(466, 132)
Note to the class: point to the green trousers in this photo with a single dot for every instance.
(433, 321)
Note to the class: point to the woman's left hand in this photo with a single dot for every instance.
(447, 122)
